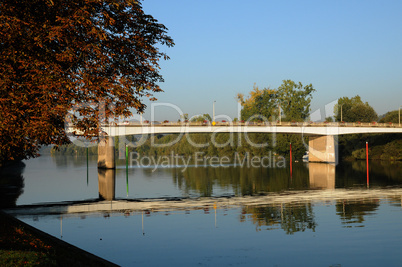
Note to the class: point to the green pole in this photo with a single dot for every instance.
(127, 169)
(87, 167)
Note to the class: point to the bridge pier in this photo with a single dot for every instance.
(106, 157)
(323, 148)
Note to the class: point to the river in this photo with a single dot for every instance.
(312, 215)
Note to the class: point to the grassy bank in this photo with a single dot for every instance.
(23, 245)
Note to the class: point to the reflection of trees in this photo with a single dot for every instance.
(11, 184)
(62, 161)
(392, 172)
(395, 201)
(241, 180)
(353, 211)
(350, 174)
(291, 217)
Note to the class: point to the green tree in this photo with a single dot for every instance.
(354, 110)
(391, 116)
(201, 118)
(57, 54)
(293, 98)
(207, 117)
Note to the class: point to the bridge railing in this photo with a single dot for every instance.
(266, 124)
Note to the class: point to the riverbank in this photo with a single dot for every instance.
(24, 245)
(382, 147)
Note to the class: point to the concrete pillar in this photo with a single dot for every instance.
(106, 157)
(106, 183)
(322, 176)
(323, 148)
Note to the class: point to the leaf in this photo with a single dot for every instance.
(55, 55)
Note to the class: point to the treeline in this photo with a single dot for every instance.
(381, 147)
(222, 144)
(386, 147)
(74, 150)
(225, 144)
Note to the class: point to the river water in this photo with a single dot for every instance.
(312, 215)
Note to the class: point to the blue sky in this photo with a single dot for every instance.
(223, 47)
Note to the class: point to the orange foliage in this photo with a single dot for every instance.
(56, 54)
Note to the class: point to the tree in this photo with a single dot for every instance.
(259, 103)
(100, 56)
(201, 118)
(354, 110)
(293, 99)
(391, 116)
(184, 117)
(363, 112)
(207, 117)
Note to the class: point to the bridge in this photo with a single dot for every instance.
(304, 128)
(322, 145)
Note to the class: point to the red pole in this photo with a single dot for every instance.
(290, 159)
(367, 163)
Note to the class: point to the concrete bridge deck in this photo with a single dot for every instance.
(310, 128)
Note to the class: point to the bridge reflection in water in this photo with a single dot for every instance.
(320, 176)
(107, 184)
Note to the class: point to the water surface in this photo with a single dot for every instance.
(316, 215)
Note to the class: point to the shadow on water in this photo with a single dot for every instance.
(11, 184)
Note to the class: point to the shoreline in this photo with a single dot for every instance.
(56, 252)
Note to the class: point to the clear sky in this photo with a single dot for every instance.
(223, 47)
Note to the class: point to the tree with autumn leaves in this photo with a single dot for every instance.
(99, 56)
